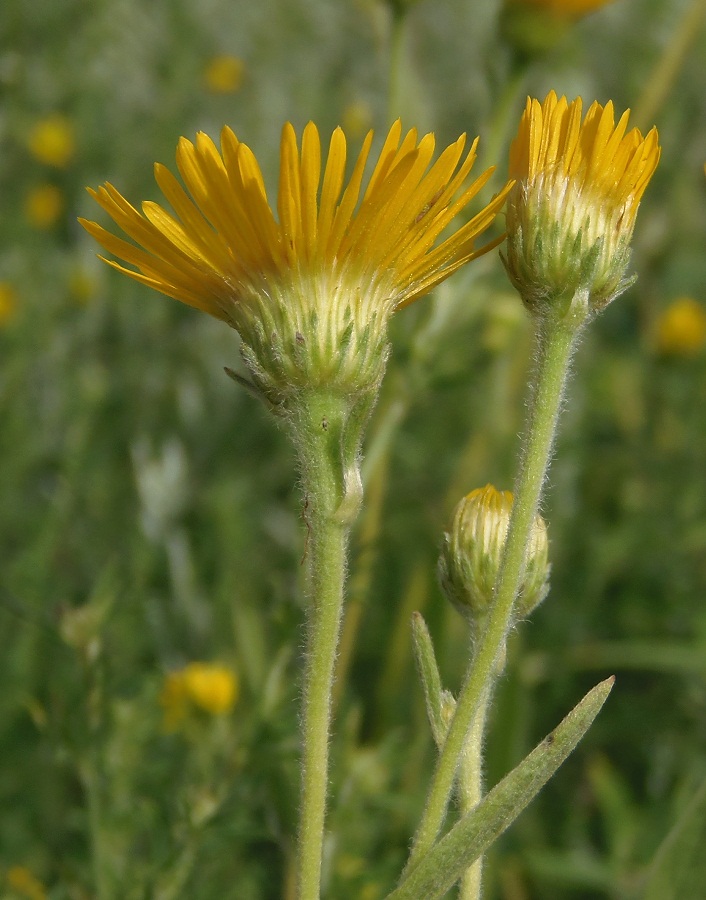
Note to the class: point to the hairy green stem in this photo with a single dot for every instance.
(470, 792)
(555, 341)
(318, 426)
(439, 870)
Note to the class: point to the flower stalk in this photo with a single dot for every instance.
(555, 340)
(319, 425)
(570, 218)
(470, 794)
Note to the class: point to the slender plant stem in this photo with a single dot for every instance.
(93, 775)
(470, 792)
(318, 429)
(664, 75)
(554, 342)
(397, 45)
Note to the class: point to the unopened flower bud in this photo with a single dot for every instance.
(472, 552)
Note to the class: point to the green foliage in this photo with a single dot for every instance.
(143, 489)
(678, 869)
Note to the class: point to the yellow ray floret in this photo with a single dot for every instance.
(222, 240)
(596, 156)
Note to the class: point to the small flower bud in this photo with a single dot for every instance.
(472, 552)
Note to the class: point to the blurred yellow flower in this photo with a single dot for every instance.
(209, 687)
(24, 884)
(83, 285)
(224, 74)
(310, 292)
(681, 328)
(43, 205)
(52, 141)
(8, 302)
(572, 211)
(567, 9)
(357, 118)
(534, 27)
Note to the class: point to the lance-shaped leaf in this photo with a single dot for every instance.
(439, 870)
(429, 676)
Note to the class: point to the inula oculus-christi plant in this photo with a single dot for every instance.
(310, 287)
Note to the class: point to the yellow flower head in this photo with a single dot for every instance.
(44, 204)
(310, 289)
(208, 687)
(52, 141)
(681, 328)
(224, 74)
(472, 553)
(357, 118)
(572, 211)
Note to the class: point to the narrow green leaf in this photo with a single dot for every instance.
(439, 870)
(429, 676)
(679, 868)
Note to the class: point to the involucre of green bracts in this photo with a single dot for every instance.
(289, 346)
(572, 267)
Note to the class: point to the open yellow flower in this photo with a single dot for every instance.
(311, 289)
(572, 211)
(199, 686)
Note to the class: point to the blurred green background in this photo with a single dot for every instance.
(148, 516)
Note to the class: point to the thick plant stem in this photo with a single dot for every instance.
(554, 344)
(470, 788)
(318, 430)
